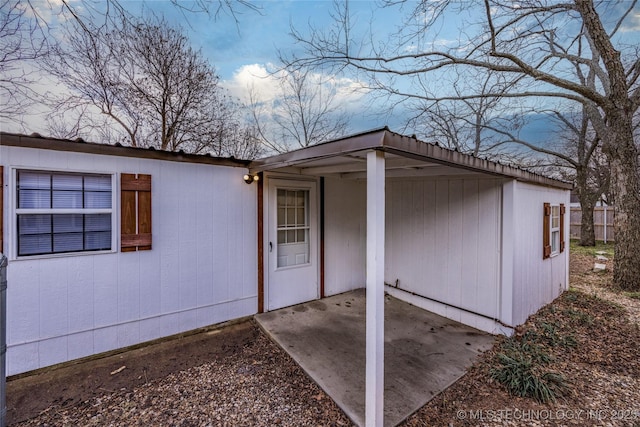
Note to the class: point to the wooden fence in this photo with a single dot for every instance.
(602, 223)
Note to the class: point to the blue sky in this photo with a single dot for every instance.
(258, 35)
(243, 51)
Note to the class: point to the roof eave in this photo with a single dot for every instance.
(366, 141)
(398, 144)
(44, 143)
(413, 148)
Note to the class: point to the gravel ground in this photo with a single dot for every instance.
(257, 385)
(251, 381)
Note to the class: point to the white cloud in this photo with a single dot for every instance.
(263, 80)
(412, 48)
(632, 23)
(253, 77)
(48, 11)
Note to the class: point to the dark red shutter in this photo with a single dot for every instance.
(562, 210)
(135, 212)
(546, 234)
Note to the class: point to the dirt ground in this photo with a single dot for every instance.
(70, 385)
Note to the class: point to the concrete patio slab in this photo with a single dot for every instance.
(424, 353)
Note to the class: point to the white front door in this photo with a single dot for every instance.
(291, 243)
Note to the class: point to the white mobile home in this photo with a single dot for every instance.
(113, 246)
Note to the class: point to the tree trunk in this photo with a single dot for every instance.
(621, 151)
(587, 230)
(625, 184)
(588, 200)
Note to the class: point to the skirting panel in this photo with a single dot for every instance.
(34, 355)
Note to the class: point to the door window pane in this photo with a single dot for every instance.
(291, 216)
(292, 227)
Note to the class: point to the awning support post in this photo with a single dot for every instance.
(374, 381)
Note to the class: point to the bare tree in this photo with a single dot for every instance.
(306, 112)
(467, 125)
(215, 8)
(489, 128)
(549, 46)
(149, 82)
(589, 169)
(86, 13)
(22, 41)
(572, 153)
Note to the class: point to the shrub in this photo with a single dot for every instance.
(527, 345)
(521, 377)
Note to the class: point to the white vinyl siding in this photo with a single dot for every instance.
(535, 280)
(199, 272)
(63, 212)
(442, 240)
(345, 232)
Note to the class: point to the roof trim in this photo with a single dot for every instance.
(80, 146)
(411, 147)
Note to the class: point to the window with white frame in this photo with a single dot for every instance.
(554, 228)
(60, 212)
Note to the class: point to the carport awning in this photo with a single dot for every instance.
(404, 156)
(374, 156)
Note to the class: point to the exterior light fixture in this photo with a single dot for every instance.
(251, 178)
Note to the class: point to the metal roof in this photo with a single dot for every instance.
(405, 156)
(81, 146)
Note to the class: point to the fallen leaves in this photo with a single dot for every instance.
(592, 334)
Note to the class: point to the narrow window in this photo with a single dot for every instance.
(62, 212)
(553, 230)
